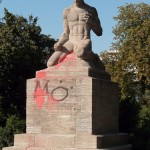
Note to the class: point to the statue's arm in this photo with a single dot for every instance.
(65, 35)
(96, 25)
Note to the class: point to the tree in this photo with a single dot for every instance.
(130, 67)
(23, 51)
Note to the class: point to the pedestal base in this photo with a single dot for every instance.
(70, 142)
(71, 109)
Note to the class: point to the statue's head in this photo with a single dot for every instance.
(79, 2)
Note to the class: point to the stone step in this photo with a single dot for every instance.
(35, 148)
(111, 140)
(48, 148)
(71, 140)
(101, 141)
(124, 147)
(45, 140)
(14, 148)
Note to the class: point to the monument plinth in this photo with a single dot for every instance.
(68, 109)
(73, 105)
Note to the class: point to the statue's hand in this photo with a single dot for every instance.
(57, 46)
(87, 17)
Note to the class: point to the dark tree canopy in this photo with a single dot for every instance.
(23, 51)
(132, 34)
(129, 64)
(131, 51)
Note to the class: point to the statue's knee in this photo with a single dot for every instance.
(80, 53)
(49, 64)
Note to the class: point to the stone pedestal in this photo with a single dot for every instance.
(71, 107)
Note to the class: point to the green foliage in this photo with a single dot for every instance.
(23, 51)
(141, 139)
(129, 64)
(14, 125)
(128, 115)
(132, 34)
(10, 123)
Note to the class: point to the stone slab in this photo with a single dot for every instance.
(125, 147)
(86, 106)
(15, 148)
(79, 141)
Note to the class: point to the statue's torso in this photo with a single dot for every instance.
(79, 28)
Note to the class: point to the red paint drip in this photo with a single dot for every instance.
(39, 96)
(41, 74)
(68, 57)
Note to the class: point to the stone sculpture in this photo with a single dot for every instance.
(79, 20)
(71, 106)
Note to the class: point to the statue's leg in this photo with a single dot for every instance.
(58, 56)
(54, 58)
(83, 49)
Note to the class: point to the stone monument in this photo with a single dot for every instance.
(72, 104)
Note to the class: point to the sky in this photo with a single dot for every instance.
(49, 13)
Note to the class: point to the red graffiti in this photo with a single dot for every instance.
(67, 58)
(41, 95)
(41, 74)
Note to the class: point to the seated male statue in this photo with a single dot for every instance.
(79, 20)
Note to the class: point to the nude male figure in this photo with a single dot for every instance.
(79, 20)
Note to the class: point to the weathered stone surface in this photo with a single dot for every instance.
(26, 140)
(70, 141)
(71, 113)
(75, 105)
(125, 147)
(15, 148)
